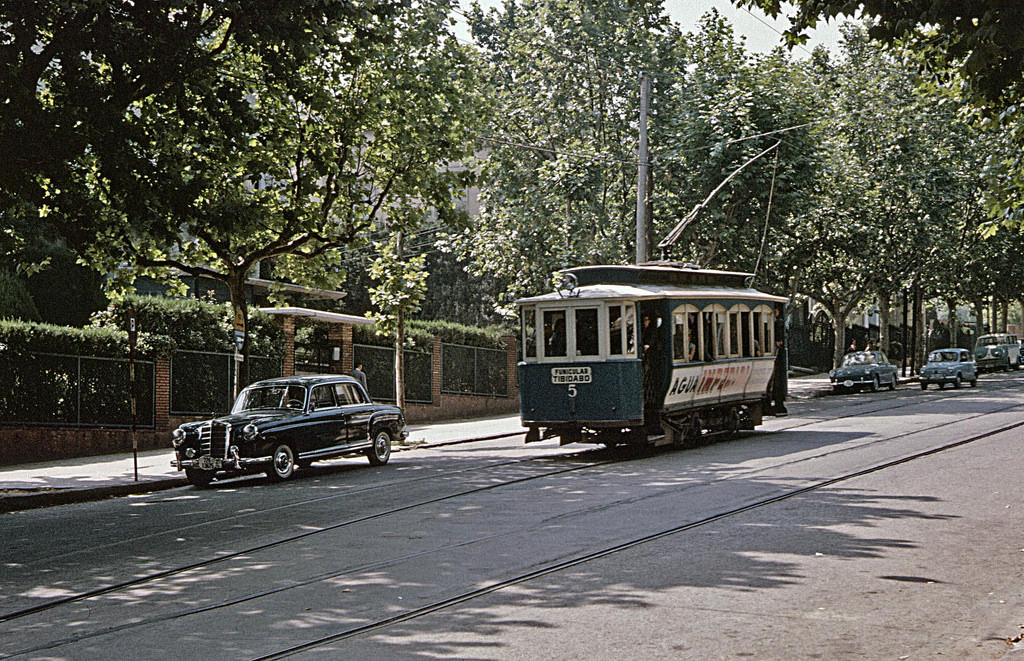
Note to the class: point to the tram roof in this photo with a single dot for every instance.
(657, 273)
(617, 291)
(653, 280)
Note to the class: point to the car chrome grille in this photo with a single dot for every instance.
(213, 439)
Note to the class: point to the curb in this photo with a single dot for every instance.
(52, 498)
(20, 503)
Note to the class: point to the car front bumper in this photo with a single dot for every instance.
(940, 378)
(852, 381)
(208, 463)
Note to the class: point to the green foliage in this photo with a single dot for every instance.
(401, 282)
(972, 51)
(419, 334)
(15, 301)
(452, 333)
(19, 338)
(561, 168)
(192, 324)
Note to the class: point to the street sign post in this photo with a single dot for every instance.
(133, 336)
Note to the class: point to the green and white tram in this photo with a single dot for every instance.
(650, 354)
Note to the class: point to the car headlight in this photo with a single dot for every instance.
(190, 452)
(177, 437)
(250, 431)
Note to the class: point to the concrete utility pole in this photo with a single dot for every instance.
(642, 165)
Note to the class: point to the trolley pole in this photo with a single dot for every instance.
(642, 172)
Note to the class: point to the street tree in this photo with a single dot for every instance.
(76, 75)
(561, 166)
(723, 110)
(973, 49)
(283, 163)
(399, 292)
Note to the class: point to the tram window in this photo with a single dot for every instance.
(554, 333)
(734, 333)
(758, 336)
(746, 335)
(615, 330)
(630, 317)
(684, 336)
(693, 332)
(709, 335)
(586, 332)
(763, 331)
(721, 350)
(678, 336)
(529, 332)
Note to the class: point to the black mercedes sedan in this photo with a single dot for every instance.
(282, 424)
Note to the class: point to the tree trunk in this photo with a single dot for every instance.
(839, 327)
(400, 343)
(954, 323)
(1004, 310)
(979, 317)
(884, 313)
(240, 317)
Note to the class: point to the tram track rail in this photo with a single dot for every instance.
(469, 595)
(208, 562)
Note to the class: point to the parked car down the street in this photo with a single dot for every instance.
(997, 351)
(282, 424)
(949, 366)
(864, 369)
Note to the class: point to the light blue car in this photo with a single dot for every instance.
(949, 366)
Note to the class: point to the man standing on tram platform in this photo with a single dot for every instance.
(779, 385)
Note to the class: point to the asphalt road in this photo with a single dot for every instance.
(863, 526)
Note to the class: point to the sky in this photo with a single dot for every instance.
(762, 33)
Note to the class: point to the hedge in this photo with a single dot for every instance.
(164, 324)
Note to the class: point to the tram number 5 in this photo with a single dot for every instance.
(572, 391)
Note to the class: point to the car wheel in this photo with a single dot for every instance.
(892, 384)
(874, 384)
(381, 450)
(957, 381)
(198, 478)
(282, 463)
(974, 382)
(924, 385)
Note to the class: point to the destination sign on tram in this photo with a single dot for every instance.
(563, 375)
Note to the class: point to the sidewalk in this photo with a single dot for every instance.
(26, 486)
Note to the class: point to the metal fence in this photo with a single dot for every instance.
(474, 370)
(86, 391)
(312, 359)
(204, 382)
(379, 365)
